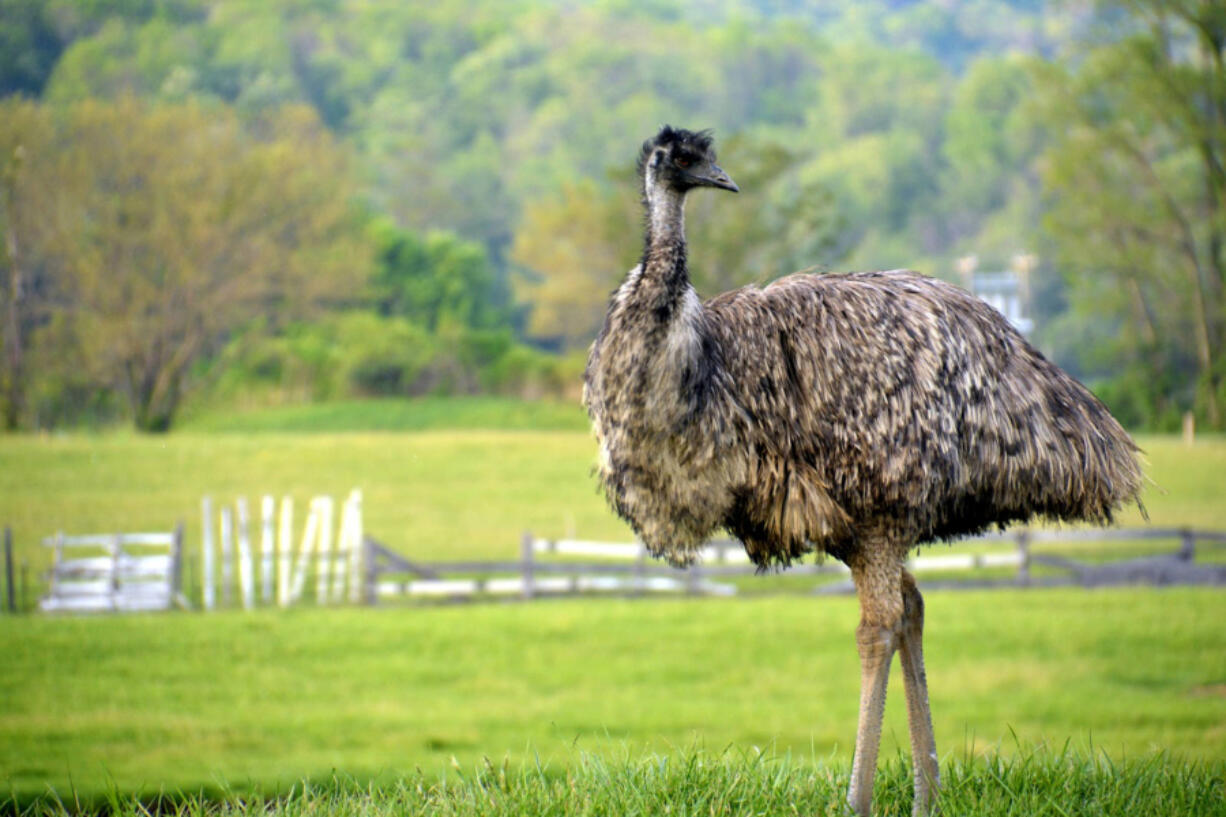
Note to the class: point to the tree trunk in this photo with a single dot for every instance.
(14, 382)
(154, 409)
(1204, 344)
(1212, 38)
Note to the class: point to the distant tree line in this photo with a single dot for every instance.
(211, 202)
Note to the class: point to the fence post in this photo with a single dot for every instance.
(176, 566)
(267, 511)
(344, 547)
(640, 571)
(356, 550)
(371, 570)
(285, 550)
(246, 582)
(304, 553)
(208, 585)
(526, 554)
(189, 577)
(116, 555)
(56, 558)
(1187, 545)
(1023, 549)
(324, 560)
(693, 576)
(227, 555)
(8, 569)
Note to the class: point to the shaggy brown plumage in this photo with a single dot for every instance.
(853, 414)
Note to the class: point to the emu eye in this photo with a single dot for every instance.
(682, 161)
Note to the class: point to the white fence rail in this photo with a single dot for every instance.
(388, 574)
(114, 572)
(733, 553)
(329, 552)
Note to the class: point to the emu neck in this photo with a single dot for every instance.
(664, 254)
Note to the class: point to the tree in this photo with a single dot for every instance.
(187, 225)
(29, 46)
(26, 211)
(988, 146)
(434, 281)
(877, 129)
(572, 249)
(1136, 181)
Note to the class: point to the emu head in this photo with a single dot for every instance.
(680, 160)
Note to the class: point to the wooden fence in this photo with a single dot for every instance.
(238, 570)
(115, 572)
(549, 567)
(141, 571)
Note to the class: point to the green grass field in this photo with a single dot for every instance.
(262, 700)
(602, 692)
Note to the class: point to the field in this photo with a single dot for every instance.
(260, 701)
(623, 703)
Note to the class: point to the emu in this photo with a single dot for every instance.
(855, 415)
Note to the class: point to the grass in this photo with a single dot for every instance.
(695, 782)
(418, 414)
(142, 704)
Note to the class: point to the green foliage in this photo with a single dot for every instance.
(177, 225)
(35, 33)
(866, 134)
(29, 47)
(1137, 196)
(988, 139)
(26, 221)
(435, 281)
(340, 355)
(358, 353)
(1139, 400)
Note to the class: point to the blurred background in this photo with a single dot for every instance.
(210, 206)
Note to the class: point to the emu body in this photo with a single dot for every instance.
(856, 415)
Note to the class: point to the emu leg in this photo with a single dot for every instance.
(915, 682)
(877, 585)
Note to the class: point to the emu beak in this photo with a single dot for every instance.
(720, 179)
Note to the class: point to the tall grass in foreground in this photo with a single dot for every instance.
(1036, 783)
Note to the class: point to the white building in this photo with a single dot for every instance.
(1008, 291)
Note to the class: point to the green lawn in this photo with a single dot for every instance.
(261, 700)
